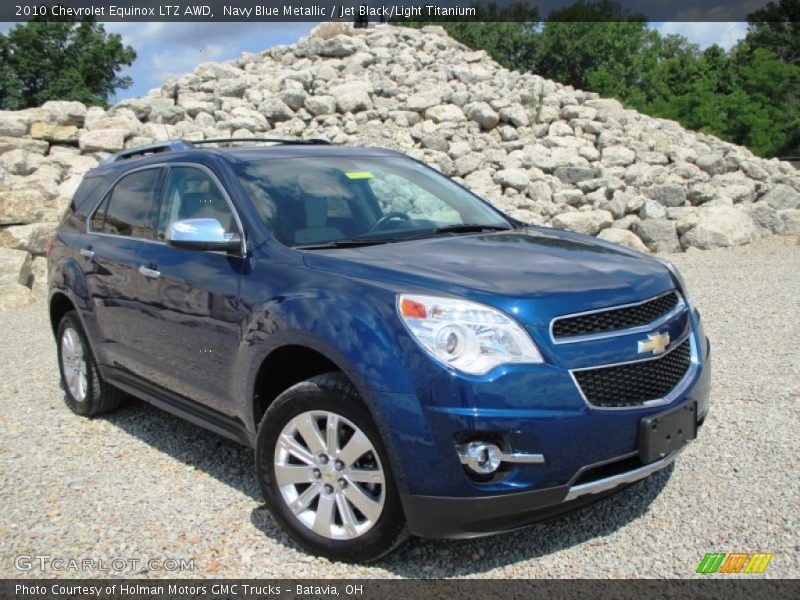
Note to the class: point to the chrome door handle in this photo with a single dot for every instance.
(152, 273)
(87, 253)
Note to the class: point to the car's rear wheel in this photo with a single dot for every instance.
(85, 392)
(325, 474)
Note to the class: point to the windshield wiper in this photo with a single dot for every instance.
(462, 228)
(348, 243)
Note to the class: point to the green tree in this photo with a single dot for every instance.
(776, 28)
(63, 60)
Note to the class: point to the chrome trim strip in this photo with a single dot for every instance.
(520, 457)
(679, 307)
(608, 483)
(168, 167)
(679, 388)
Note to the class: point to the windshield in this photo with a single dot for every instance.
(317, 200)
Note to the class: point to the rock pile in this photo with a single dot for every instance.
(545, 153)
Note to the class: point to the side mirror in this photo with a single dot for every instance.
(202, 234)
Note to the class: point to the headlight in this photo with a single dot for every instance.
(467, 336)
(679, 282)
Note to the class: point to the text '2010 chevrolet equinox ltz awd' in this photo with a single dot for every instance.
(403, 357)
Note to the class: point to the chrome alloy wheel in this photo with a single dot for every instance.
(73, 363)
(329, 475)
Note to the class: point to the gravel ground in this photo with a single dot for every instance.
(141, 484)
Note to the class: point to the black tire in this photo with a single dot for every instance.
(100, 397)
(331, 392)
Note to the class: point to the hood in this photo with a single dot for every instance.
(533, 274)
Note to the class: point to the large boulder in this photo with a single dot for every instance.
(102, 140)
(659, 235)
(782, 197)
(28, 238)
(21, 206)
(720, 227)
(590, 222)
(623, 237)
(352, 97)
(483, 114)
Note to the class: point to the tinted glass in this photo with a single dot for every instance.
(128, 211)
(99, 216)
(191, 193)
(319, 199)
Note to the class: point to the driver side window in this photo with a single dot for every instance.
(191, 193)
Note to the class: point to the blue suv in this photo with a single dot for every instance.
(403, 357)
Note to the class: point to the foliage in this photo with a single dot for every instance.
(749, 95)
(61, 60)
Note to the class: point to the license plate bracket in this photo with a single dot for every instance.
(663, 433)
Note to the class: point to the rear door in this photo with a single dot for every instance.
(121, 225)
(191, 297)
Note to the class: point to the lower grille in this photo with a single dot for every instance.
(635, 383)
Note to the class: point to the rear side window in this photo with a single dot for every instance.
(126, 210)
(84, 192)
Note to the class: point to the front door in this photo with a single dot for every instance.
(191, 297)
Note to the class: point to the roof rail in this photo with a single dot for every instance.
(169, 146)
(179, 145)
(271, 140)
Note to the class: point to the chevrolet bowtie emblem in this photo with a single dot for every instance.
(655, 343)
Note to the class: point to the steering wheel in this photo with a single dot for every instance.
(388, 217)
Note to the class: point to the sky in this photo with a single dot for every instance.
(166, 49)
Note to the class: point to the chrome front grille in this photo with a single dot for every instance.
(616, 319)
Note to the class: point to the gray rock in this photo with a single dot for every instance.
(336, 47)
(766, 218)
(667, 195)
(618, 156)
(466, 164)
(28, 238)
(514, 178)
(659, 235)
(574, 174)
(426, 99)
(352, 97)
(623, 237)
(275, 110)
(14, 124)
(652, 210)
(589, 223)
(720, 227)
(483, 114)
(320, 105)
(791, 221)
(701, 193)
(539, 191)
(713, 164)
(102, 140)
(781, 197)
(445, 113)
(65, 112)
(21, 206)
(516, 114)
(571, 197)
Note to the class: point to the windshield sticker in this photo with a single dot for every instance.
(359, 175)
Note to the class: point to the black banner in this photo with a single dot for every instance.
(372, 10)
(370, 589)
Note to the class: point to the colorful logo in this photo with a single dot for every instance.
(734, 562)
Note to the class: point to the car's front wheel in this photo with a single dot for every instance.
(85, 392)
(325, 474)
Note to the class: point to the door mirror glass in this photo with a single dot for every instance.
(202, 234)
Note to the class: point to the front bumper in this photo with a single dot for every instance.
(448, 517)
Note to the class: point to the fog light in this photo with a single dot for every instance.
(483, 458)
